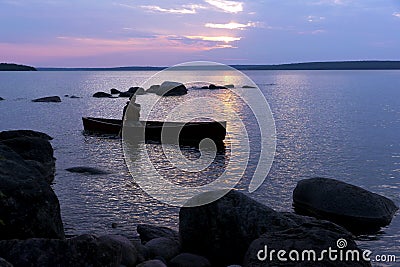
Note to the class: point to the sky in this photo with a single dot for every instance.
(100, 33)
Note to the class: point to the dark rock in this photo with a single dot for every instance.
(248, 86)
(54, 99)
(85, 250)
(222, 230)
(1, 98)
(171, 89)
(126, 94)
(148, 232)
(153, 89)
(28, 206)
(189, 260)
(357, 209)
(152, 263)
(313, 235)
(163, 247)
(36, 149)
(136, 90)
(115, 91)
(74, 97)
(23, 133)
(114, 225)
(87, 170)
(142, 251)
(102, 95)
(204, 87)
(229, 86)
(4, 263)
(128, 250)
(215, 87)
(140, 91)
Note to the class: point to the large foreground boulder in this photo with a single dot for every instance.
(303, 246)
(54, 99)
(85, 250)
(37, 151)
(355, 208)
(223, 230)
(23, 133)
(28, 206)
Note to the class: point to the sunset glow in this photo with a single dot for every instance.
(142, 32)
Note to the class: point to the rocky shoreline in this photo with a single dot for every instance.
(234, 230)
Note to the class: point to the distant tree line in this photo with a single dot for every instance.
(15, 67)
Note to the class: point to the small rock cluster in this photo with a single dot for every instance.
(165, 89)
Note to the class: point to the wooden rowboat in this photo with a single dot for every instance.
(191, 131)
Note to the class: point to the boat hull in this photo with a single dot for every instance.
(157, 130)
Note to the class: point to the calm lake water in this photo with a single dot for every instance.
(337, 124)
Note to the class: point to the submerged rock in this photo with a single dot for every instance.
(1, 98)
(148, 232)
(102, 95)
(54, 99)
(85, 250)
(248, 86)
(87, 170)
(229, 86)
(357, 209)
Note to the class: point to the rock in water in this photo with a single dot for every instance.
(87, 170)
(357, 209)
(311, 235)
(115, 91)
(1, 98)
(55, 99)
(148, 232)
(85, 250)
(126, 94)
(102, 95)
(172, 89)
(223, 230)
(28, 206)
